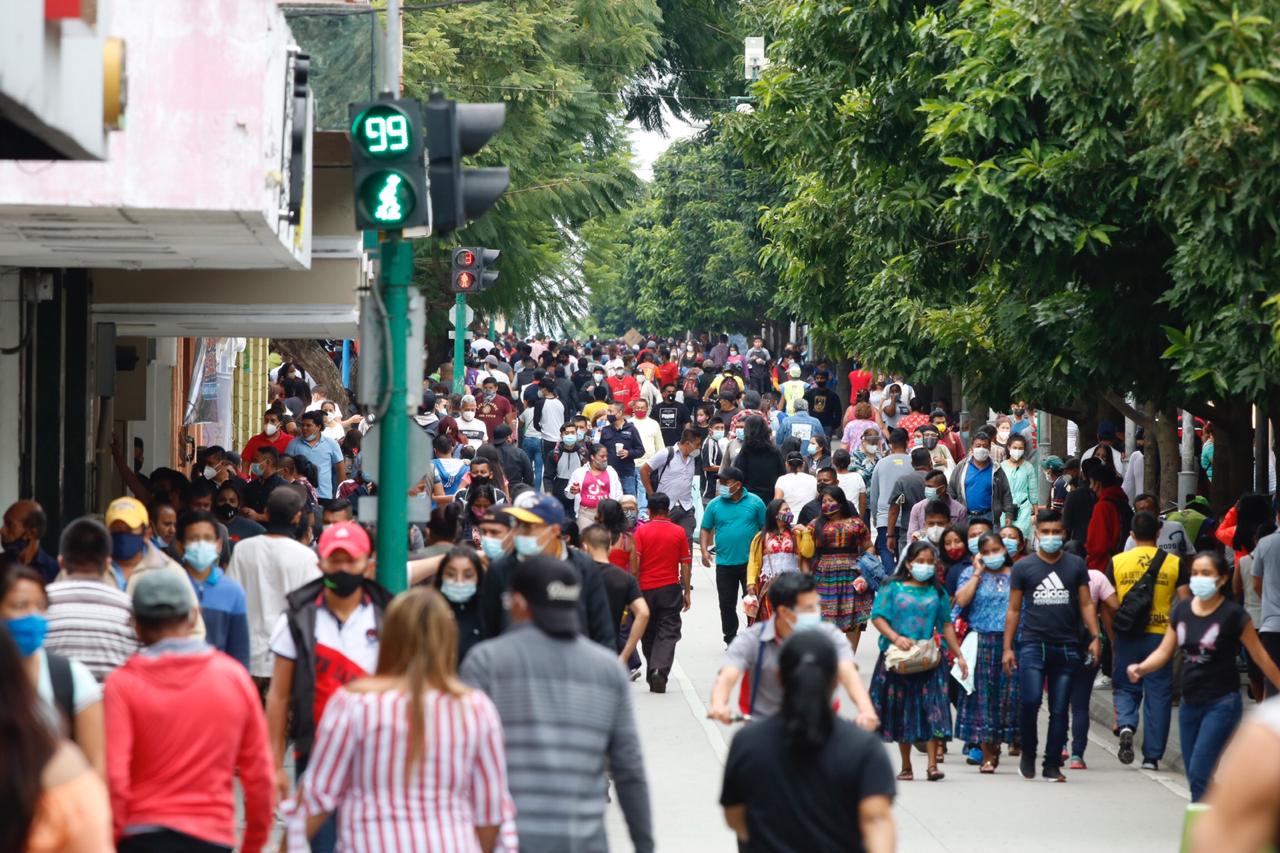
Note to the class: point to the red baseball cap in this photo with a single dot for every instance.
(345, 536)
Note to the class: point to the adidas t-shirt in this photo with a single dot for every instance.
(1050, 598)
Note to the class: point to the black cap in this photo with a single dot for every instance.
(552, 589)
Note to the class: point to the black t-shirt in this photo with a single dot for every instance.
(1211, 644)
(1050, 598)
(621, 588)
(671, 418)
(809, 803)
(257, 492)
(824, 404)
(907, 492)
(1076, 513)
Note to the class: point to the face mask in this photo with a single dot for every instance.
(14, 547)
(870, 449)
(489, 395)
(785, 518)
(941, 428)
(923, 571)
(255, 469)
(1002, 435)
(210, 472)
(973, 544)
(200, 555)
(1015, 453)
(934, 534)
(468, 415)
(271, 429)
(442, 410)
(806, 621)
(492, 547)
(955, 553)
(1011, 545)
(1203, 588)
(569, 440)
(981, 454)
(993, 561)
(1051, 544)
(641, 415)
(718, 435)
(599, 377)
(459, 592)
(722, 491)
(225, 512)
(930, 492)
(740, 433)
(126, 546)
(671, 396)
(930, 442)
(343, 583)
(830, 509)
(28, 632)
(1018, 411)
(527, 546)
(631, 515)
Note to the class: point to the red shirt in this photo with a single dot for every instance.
(279, 442)
(859, 380)
(911, 421)
(668, 374)
(494, 412)
(626, 390)
(662, 547)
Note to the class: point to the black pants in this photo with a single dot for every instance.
(663, 631)
(168, 841)
(1270, 642)
(548, 470)
(685, 518)
(557, 488)
(729, 581)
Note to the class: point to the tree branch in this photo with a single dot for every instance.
(1136, 415)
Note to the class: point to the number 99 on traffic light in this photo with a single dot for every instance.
(387, 167)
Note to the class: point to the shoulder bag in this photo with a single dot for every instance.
(1135, 609)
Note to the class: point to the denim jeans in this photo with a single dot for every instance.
(1206, 727)
(1081, 690)
(326, 839)
(1056, 664)
(1154, 693)
(628, 482)
(882, 546)
(532, 445)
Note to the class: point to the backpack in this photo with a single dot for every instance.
(690, 384)
(64, 693)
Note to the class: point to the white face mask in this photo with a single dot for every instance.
(468, 415)
(1015, 453)
(271, 429)
(1002, 435)
(934, 534)
(981, 454)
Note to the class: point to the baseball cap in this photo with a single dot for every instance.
(546, 510)
(498, 516)
(1071, 463)
(345, 536)
(130, 511)
(552, 589)
(1053, 463)
(162, 594)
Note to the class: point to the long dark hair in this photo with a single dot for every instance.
(807, 667)
(27, 745)
(1251, 511)
(837, 494)
(490, 454)
(755, 434)
(771, 516)
(609, 515)
(465, 552)
(903, 573)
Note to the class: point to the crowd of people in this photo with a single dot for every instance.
(226, 622)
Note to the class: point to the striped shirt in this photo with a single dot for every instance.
(357, 769)
(90, 621)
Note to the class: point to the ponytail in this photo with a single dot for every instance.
(807, 665)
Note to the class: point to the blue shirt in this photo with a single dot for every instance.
(990, 602)
(735, 524)
(977, 487)
(915, 612)
(226, 618)
(324, 455)
(803, 426)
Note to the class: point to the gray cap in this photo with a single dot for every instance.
(162, 594)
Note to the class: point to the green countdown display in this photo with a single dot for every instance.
(387, 198)
(383, 131)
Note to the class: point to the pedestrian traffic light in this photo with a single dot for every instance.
(471, 273)
(453, 131)
(387, 168)
(488, 277)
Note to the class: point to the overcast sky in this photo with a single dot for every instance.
(648, 145)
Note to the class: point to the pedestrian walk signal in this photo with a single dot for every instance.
(470, 273)
(388, 169)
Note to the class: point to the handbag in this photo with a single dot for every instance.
(1135, 609)
(923, 656)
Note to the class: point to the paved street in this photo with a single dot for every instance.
(1108, 806)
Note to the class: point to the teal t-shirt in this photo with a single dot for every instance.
(735, 524)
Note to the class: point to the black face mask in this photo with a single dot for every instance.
(15, 547)
(224, 512)
(343, 583)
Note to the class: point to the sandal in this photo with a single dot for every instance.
(934, 774)
(987, 767)
(906, 776)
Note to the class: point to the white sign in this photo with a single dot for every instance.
(453, 316)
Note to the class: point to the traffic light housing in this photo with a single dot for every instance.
(470, 269)
(454, 131)
(388, 172)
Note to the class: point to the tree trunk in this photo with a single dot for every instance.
(313, 358)
(1232, 453)
(1166, 440)
(1058, 436)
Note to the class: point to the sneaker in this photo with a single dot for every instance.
(1102, 681)
(1027, 766)
(1150, 764)
(1125, 753)
(1077, 763)
(1053, 774)
(975, 757)
(635, 674)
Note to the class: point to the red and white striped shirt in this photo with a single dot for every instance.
(357, 768)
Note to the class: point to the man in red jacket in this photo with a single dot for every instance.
(181, 720)
(1109, 524)
(624, 388)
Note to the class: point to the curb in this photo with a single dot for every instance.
(1102, 712)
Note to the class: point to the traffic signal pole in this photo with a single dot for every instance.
(459, 342)
(393, 461)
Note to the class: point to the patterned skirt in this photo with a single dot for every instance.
(842, 605)
(990, 713)
(913, 707)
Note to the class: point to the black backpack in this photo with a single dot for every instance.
(64, 694)
(1135, 609)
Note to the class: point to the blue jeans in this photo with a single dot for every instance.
(532, 445)
(326, 839)
(1154, 693)
(1038, 662)
(886, 556)
(629, 482)
(1206, 727)
(1081, 690)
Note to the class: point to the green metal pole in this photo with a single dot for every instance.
(493, 329)
(459, 342)
(393, 462)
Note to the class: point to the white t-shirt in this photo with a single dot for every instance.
(852, 484)
(797, 489)
(344, 651)
(552, 419)
(474, 431)
(269, 568)
(85, 690)
(1172, 538)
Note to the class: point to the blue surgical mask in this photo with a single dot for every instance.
(28, 632)
(993, 561)
(255, 469)
(126, 546)
(806, 621)
(740, 433)
(1203, 588)
(930, 492)
(459, 592)
(492, 547)
(973, 544)
(527, 546)
(569, 440)
(1051, 544)
(1011, 545)
(923, 571)
(722, 491)
(200, 555)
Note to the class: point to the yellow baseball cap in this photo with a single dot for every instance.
(129, 511)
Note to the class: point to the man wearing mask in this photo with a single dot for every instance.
(884, 478)
(907, 492)
(569, 454)
(671, 415)
(624, 388)
(538, 532)
(222, 600)
(133, 555)
(980, 484)
(324, 453)
(266, 479)
(327, 636)
(272, 435)
(24, 525)
(824, 404)
(796, 607)
(471, 428)
(730, 523)
(494, 409)
(894, 407)
(497, 537)
(712, 457)
(935, 489)
(947, 437)
(671, 472)
(623, 442)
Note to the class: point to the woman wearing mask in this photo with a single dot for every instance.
(866, 454)
(1014, 542)
(911, 608)
(78, 710)
(956, 557)
(711, 459)
(611, 515)
(53, 800)
(1024, 489)
(226, 508)
(458, 579)
(759, 459)
(591, 484)
(820, 457)
(411, 752)
(780, 548)
(839, 539)
(480, 499)
(735, 357)
(860, 422)
(988, 716)
(1000, 443)
(1209, 628)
